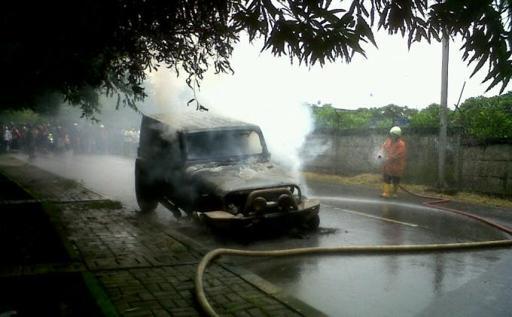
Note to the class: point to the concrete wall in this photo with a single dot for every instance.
(488, 169)
(345, 155)
(485, 169)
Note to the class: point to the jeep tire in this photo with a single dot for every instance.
(311, 223)
(147, 199)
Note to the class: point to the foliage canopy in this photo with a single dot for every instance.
(481, 118)
(328, 117)
(487, 118)
(77, 48)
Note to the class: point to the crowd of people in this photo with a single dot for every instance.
(45, 138)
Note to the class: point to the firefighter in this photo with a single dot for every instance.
(394, 153)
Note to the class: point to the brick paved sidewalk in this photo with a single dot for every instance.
(130, 267)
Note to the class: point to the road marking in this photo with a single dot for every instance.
(374, 217)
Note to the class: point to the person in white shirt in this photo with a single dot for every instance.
(7, 139)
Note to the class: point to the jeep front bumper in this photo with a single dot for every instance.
(305, 211)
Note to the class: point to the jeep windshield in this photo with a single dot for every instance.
(219, 145)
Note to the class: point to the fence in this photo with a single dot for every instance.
(483, 168)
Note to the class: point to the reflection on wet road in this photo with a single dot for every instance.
(369, 216)
(477, 282)
(383, 285)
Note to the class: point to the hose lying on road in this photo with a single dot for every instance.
(210, 256)
(436, 201)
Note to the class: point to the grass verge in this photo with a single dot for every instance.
(375, 181)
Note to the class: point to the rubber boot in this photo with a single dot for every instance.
(385, 190)
(394, 190)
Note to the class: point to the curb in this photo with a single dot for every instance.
(101, 297)
(263, 285)
(75, 265)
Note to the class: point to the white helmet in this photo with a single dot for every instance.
(396, 131)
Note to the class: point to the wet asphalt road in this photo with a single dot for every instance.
(469, 283)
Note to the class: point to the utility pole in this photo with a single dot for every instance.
(443, 122)
(337, 139)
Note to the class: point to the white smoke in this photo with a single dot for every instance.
(285, 123)
(251, 95)
(166, 93)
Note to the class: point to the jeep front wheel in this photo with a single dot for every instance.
(312, 222)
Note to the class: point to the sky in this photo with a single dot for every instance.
(270, 92)
(390, 74)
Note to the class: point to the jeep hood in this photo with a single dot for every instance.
(227, 178)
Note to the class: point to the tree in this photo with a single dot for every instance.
(426, 118)
(394, 114)
(80, 48)
(487, 118)
(324, 116)
(20, 117)
(327, 116)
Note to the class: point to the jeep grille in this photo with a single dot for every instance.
(274, 199)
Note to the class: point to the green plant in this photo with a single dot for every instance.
(426, 118)
(24, 116)
(487, 118)
(327, 116)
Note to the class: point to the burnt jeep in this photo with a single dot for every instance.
(217, 170)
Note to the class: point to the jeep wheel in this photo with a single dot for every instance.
(144, 191)
(312, 222)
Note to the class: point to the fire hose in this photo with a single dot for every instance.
(353, 249)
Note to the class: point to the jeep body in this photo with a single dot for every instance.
(216, 169)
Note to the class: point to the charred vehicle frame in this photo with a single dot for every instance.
(218, 170)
